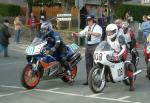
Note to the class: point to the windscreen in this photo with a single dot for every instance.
(103, 46)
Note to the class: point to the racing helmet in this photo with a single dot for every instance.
(46, 26)
(113, 29)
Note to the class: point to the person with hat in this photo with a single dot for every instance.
(92, 33)
(4, 37)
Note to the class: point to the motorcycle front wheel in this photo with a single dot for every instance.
(148, 70)
(96, 83)
(29, 79)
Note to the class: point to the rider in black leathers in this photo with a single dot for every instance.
(56, 45)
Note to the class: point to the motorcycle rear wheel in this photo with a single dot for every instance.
(148, 70)
(126, 82)
(95, 84)
(73, 74)
(29, 80)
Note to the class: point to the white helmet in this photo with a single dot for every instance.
(112, 28)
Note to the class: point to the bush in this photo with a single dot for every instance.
(137, 11)
(9, 10)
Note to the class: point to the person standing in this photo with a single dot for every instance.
(93, 33)
(17, 24)
(119, 22)
(4, 37)
(42, 13)
(145, 28)
(32, 23)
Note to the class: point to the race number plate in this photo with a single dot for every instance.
(97, 56)
(30, 50)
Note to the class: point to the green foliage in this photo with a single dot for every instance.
(9, 10)
(137, 11)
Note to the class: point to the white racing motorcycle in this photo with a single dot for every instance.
(105, 67)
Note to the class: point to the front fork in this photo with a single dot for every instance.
(34, 66)
(102, 73)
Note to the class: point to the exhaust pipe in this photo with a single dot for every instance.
(135, 73)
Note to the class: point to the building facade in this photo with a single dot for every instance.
(145, 1)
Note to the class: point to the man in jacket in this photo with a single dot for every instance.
(4, 38)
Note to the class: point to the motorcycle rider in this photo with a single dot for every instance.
(131, 41)
(55, 45)
(129, 36)
(118, 44)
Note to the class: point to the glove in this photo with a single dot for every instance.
(44, 52)
(53, 49)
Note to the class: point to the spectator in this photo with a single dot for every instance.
(93, 34)
(109, 13)
(128, 17)
(145, 28)
(42, 13)
(17, 24)
(83, 14)
(4, 37)
(32, 23)
(118, 22)
(102, 21)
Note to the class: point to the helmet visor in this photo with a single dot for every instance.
(109, 32)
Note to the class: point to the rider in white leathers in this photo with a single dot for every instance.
(118, 44)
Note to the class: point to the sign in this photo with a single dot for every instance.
(63, 17)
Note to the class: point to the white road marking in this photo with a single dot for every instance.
(65, 93)
(80, 95)
(12, 63)
(125, 97)
(15, 87)
(47, 90)
(94, 95)
(15, 93)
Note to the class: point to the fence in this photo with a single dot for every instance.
(50, 11)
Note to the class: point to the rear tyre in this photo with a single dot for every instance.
(73, 74)
(148, 70)
(29, 79)
(95, 83)
(126, 82)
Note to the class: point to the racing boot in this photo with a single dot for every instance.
(131, 80)
(132, 87)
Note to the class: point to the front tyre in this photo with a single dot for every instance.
(148, 70)
(29, 79)
(73, 74)
(96, 83)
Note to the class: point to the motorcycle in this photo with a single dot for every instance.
(146, 51)
(106, 67)
(42, 66)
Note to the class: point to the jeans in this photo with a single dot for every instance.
(17, 36)
(32, 32)
(4, 48)
(145, 35)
